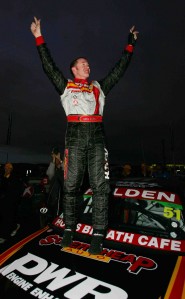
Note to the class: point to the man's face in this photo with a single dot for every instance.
(8, 168)
(81, 70)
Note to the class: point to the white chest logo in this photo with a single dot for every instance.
(75, 102)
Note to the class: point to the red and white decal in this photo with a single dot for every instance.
(131, 238)
(147, 194)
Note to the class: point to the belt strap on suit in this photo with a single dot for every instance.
(84, 118)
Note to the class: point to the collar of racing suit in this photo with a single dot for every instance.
(82, 81)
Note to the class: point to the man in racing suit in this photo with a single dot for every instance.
(83, 103)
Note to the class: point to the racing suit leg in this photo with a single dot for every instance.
(98, 168)
(74, 168)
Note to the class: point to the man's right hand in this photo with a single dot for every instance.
(36, 28)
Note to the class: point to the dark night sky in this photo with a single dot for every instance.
(143, 108)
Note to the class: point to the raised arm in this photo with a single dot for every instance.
(51, 70)
(119, 69)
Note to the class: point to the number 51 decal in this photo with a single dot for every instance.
(170, 213)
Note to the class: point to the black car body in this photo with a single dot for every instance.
(143, 254)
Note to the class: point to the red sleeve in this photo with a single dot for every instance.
(129, 48)
(39, 40)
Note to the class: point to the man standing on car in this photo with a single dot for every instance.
(83, 103)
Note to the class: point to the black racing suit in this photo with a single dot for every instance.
(85, 141)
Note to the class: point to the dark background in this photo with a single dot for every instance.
(144, 113)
